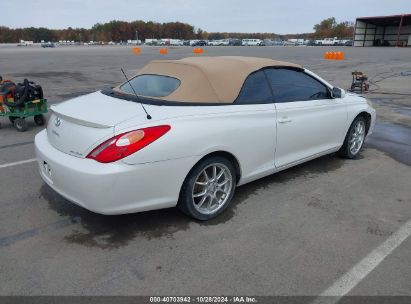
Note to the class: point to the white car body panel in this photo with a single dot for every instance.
(299, 135)
(262, 138)
(244, 128)
(98, 108)
(72, 137)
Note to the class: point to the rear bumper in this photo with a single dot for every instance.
(114, 188)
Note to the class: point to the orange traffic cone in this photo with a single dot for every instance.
(340, 56)
(334, 55)
(163, 51)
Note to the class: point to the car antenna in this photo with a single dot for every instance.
(138, 98)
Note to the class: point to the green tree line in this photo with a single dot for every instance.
(123, 31)
(111, 31)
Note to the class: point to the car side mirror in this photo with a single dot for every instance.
(338, 93)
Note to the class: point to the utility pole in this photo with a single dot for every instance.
(136, 37)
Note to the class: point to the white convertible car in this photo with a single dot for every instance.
(187, 132)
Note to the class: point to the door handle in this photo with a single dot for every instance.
(284, 120)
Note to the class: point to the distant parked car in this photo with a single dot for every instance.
(328, 41)
(48, 45)
(349, 43)
(25, 43)
(273, 42)
(225, 42)
(214, 42)
(252, 42)
(220, 42)
(200, 43)
(289, 43)
(234, 42)
(270, 42)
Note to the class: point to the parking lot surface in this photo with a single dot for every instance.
(297, 232)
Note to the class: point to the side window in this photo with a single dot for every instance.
(255, 90)
(290, 85)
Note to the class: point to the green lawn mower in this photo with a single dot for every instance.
(20, 101)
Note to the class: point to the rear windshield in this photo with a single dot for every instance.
(151, 85)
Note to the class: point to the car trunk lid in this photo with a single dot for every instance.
(76, 126)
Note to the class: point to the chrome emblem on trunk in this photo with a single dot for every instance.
(57, 122)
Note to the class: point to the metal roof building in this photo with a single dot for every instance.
(383, 31)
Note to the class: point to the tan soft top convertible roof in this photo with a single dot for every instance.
(209, 79)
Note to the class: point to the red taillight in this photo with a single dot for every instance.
(126, 144)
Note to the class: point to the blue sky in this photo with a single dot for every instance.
(289, 16)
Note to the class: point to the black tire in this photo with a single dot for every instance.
(345, 150)
(186, 200)
(20, 124)
(39, 120)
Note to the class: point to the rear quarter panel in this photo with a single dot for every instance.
(248, 132)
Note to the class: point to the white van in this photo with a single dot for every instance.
(252, 42)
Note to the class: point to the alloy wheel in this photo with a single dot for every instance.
(212, 188)
(357, 137)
